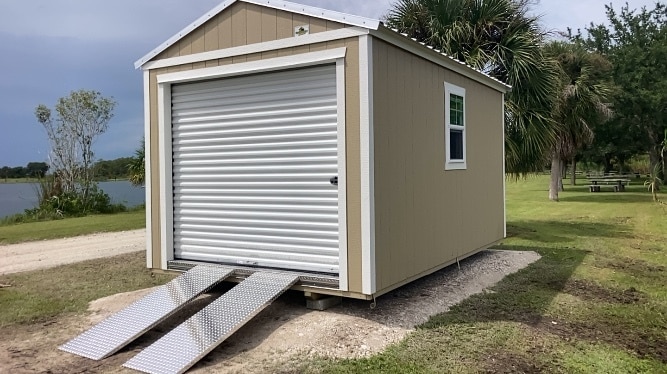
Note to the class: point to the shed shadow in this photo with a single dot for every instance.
(608, 197)
(564, 232)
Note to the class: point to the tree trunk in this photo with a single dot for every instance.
(573, 175)
(555, 182)
(563, 174)
(654, 159)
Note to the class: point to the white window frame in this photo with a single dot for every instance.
(455, 164)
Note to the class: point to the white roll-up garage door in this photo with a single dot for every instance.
(253, 162)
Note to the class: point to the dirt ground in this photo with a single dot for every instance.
(284, 331)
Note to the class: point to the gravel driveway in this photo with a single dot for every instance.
(49, 253)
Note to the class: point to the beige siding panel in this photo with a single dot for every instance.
(213, 63)
(225, 29)
(170, 52)
(198, 40)
(239, 59)
(211, 35)
(272, 54)
(317, 25)
(239, 24)
(284, 25)
(301, 49)
(185, 45)
(269, 24)
(318, 47)
(332, 25)
(254, 24)
(426, 216)
(254, 57)
(299, 20)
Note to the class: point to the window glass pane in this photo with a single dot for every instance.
(455, 144)
(456, 110)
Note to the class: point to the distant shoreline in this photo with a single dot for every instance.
(36, 180)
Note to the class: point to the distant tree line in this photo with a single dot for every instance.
(32, 170)
(102, 170)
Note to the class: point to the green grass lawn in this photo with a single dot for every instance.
(22, 232)
(595, 303)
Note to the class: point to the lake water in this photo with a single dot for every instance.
(16, 197)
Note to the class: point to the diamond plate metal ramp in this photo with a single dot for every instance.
(112, 334)
(182, 347)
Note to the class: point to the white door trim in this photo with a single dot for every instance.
(166, 187)
(165, 82)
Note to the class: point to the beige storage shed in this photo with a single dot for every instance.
(296, 139)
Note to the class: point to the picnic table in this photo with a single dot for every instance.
(618, 184)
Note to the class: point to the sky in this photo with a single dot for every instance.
(51, 48)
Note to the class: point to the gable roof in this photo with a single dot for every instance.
(330, 15)
(375, 27)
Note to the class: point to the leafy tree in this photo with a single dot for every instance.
(136, 166)
(80, 118)
(583, 89)
(37, 169)
(5, 171)
(112, 169)
(636, 44)
(501, 39)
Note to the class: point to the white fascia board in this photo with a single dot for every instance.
(273, 45)
(295, 61)
(330, 15)
(422, 50)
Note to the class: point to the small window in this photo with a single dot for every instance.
(455, 127)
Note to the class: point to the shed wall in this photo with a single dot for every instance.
(244, 24)
(426, 217)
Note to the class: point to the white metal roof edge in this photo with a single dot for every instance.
(330, 15)
(450, 62)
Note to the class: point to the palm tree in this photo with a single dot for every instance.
(501, 39)
(136, 167)
(583, 91)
